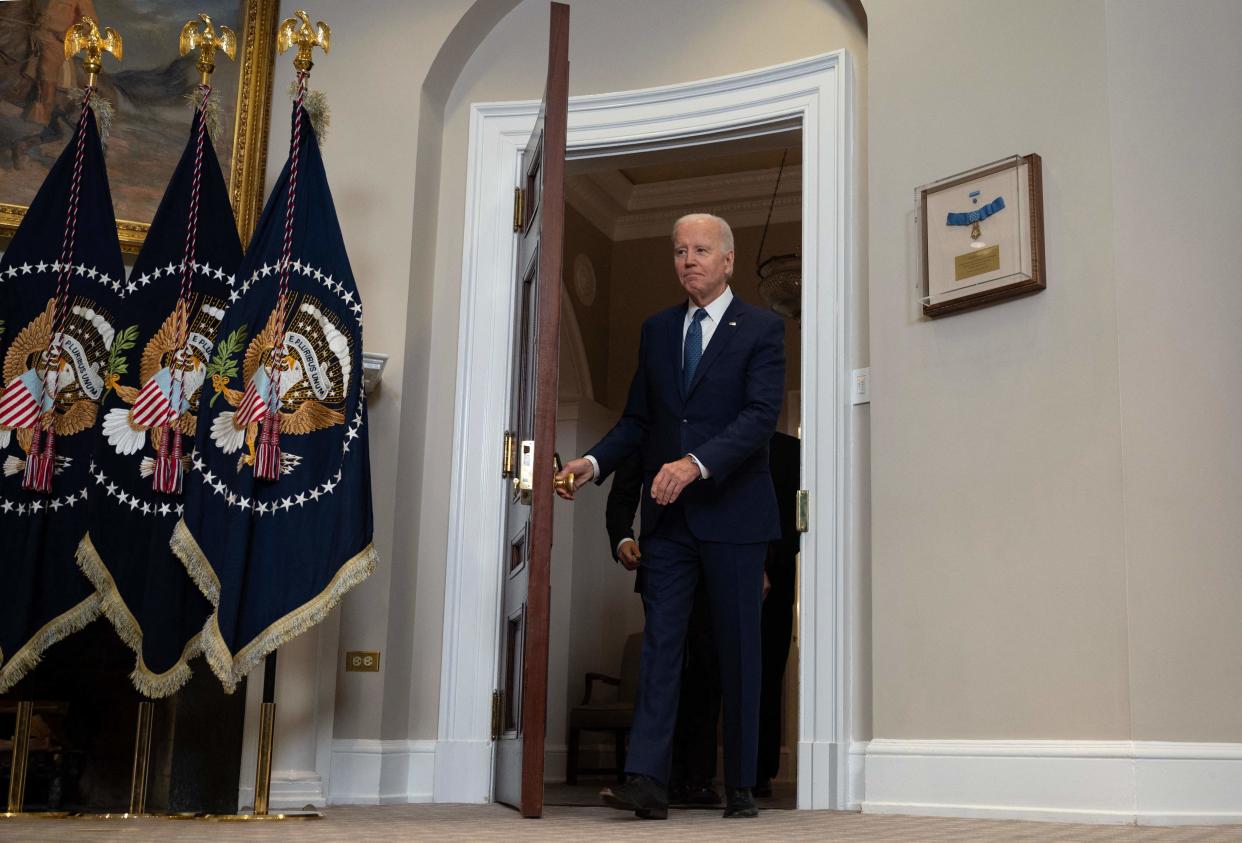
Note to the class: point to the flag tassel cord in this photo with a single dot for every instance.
(41, 461)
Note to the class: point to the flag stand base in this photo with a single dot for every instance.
(263, 767)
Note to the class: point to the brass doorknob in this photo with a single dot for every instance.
(563, 484)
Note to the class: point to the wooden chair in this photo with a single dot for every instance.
(614, 717)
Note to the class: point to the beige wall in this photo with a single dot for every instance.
(999, 575)
(1056, 489)
(1176, 130)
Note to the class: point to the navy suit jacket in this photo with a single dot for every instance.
(725, 418)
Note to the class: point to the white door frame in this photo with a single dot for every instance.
(814, 93)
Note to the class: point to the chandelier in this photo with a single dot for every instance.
(780, 277)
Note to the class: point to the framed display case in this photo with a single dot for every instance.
(981, 236)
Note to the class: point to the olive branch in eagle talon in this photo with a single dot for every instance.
(117, 364)
(222, 366)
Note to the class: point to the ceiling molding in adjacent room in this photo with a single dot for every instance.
(626, 211)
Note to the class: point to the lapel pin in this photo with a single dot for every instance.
(732, 324)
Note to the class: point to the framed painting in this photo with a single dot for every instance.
(981, 235)
(149, 92)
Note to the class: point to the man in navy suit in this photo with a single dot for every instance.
(702, 406)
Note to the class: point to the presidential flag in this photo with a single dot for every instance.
(183, 280)
(277, 524)
(62, 287)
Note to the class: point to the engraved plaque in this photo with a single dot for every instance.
(977, 262)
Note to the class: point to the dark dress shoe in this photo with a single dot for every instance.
(740, 805)
(641, 794)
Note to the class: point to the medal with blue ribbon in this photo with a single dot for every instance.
(976, 216)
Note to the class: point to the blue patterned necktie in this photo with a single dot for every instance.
(693, 351)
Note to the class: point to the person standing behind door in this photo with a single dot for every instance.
(778, 607)
(702, 405)
(698, 709)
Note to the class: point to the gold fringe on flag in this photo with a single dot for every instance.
(149, 683)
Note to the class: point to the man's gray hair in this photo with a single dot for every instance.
(726, 233)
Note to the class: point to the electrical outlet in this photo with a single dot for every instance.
(360, 661)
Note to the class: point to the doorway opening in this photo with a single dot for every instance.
(813, 95)
(616, 271)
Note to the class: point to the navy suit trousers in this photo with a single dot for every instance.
(673, 561)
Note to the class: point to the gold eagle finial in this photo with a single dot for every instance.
(84, 35)
(207, 41)
(304, 37)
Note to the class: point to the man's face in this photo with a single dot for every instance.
(703, 266)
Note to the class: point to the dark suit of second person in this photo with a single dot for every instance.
(709, 508)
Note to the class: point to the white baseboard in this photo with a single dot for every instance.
(1143, 782)
(372, 772)
(856, 791)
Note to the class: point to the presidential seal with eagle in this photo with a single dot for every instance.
(57, 383)
(307, 375)
(172, 375)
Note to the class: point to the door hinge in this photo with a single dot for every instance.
(802, 511)
(498, 699)
(519, 208)
(509, 459)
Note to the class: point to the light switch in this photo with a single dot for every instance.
(860, 386)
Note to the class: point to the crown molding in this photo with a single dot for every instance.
(624, 211)
(741, 213)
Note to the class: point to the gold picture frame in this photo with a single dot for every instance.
(981, 236)
(150, 36)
